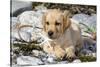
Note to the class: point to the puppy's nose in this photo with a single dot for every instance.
(50, 33)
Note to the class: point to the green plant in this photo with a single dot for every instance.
(89, 29)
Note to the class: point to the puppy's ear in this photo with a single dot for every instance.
(66, 20)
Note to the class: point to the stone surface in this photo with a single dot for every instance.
(63, 62)
(27, 60)
(35, 33)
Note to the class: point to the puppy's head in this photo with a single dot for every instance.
(55, 22)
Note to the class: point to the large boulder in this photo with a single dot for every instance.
(87, 23)
(17, 7)
(86, 19)
(27, 33)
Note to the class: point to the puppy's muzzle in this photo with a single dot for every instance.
(50, 33)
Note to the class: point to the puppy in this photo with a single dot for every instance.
(64, 32)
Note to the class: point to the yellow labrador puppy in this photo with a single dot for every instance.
(64, 32)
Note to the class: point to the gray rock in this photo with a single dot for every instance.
(86, 52)
(89, 21)
(63, 62)
(20, 6)
(80, 17)
(86, 19)
(89, 44)
(27, 60)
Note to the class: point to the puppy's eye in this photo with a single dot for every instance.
(57, 23)
(47, 23)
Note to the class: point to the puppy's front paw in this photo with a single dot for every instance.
(70, 53)
(59, 52)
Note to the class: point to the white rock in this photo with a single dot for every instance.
(38, 53)
(32, 18)
(94, 54)
(35, 52)
(26, 18)
(25, 34)
(77, 61)
(51, 60)
(27, 60)
(41, 8)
